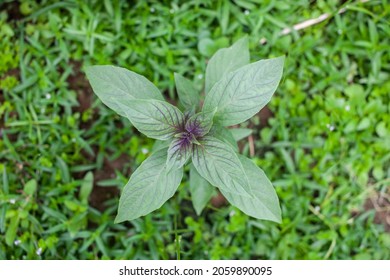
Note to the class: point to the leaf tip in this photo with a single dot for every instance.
(276, 216)
(198, 211)
(118, 220)
(282, 58)
(278, 221)
(243, 40)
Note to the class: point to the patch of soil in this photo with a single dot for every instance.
(100, 195)
(218, 201)
(381, 204)
(13, 72)
(78, 82)
(12, 9)
(264, 115)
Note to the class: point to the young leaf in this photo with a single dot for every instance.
(201, 190)
(226, 60)
(115, 85)
(241, 94)
(218, 163)
(156, 119)
(186, 91)
(200, 123)
(265, 204)
(179, 152)
(149, 187)
(240, 133)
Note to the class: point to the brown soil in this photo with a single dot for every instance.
(264, 115)
(218, 201)
(78, 83)
(381, 203)
(12, 9)
(13, 72)
(100, 195)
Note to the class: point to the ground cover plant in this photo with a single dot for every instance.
(322, 139)
(235, 91)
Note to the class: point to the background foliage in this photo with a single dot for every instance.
(323, 141)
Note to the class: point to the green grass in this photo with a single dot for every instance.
(64, 156)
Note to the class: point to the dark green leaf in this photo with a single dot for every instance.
(156, 119)
(201, 190)
(186, 91)
(226, 60)
(264, 204)
(148, 188)
(240, 133)
(115, 85)
(159, 144)
(225, 135)
(218, 163)
(241, 94)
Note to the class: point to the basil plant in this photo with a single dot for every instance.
(200, 136)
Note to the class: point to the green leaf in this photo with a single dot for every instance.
(240, 133)
(5, 181)
(30, 187)
(226, 60)
(364, 124)
(186, 91)
(205, 46)
(3, 212)
(12, 230)
(86, 187)
(201, 190)
(65, 174)
(380, 130)
(159, 144)
(178, 153)
(115, 84)
(265, 204)
(148, 188)
(225, 135)
(156, 119)
(218, 163)
(241, 94)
